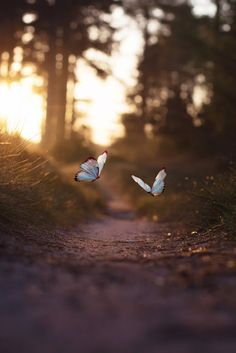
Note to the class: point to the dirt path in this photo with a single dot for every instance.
(118, 285)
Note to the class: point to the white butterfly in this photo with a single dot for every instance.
(91, 168)
(158, 185)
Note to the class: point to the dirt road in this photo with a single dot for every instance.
(118, 285)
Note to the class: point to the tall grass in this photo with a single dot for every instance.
(213, 204)
(144, 158)
(32, 191)
(197, 194)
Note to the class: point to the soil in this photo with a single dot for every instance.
(117, 284)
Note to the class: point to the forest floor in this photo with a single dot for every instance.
(117, 284)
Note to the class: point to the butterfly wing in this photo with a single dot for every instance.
(83, 176)
(141, 183)
(101, 161)
(89, 170)
(91, 167)
(159, 185)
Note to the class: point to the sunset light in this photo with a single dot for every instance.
(101, 103)
(95, 102)
(21, 110)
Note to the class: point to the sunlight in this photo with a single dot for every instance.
(105, 111)
(203, 7)
(21, 110)
(101, 102)
(98, 103)
(29, 17)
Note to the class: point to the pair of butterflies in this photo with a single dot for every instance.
(91, 170)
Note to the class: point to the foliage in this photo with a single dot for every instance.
(213, 204)
(55, 35)
(145, 159)
(197, 194)
(185, 170)
(32, 191)
(182, 54)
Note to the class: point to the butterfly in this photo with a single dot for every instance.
(91, 168)
(158, 185)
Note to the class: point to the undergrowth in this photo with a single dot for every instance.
(32, 191)
(197, 194)
(214, 203)
(145, 160)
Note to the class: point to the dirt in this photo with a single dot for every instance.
(117, 284)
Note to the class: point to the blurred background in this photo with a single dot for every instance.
(152, 79)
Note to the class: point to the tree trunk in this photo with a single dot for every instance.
(217, 15)
(144, 82)
(62, 103)
(48, 138)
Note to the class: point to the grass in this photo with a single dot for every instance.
(145, 159)
(165, 207)
(196, 193)
(214, 203)
(33, 192)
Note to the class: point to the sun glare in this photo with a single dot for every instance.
(101, 102)
(98, 103)
(204, 7)
(21, 109)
